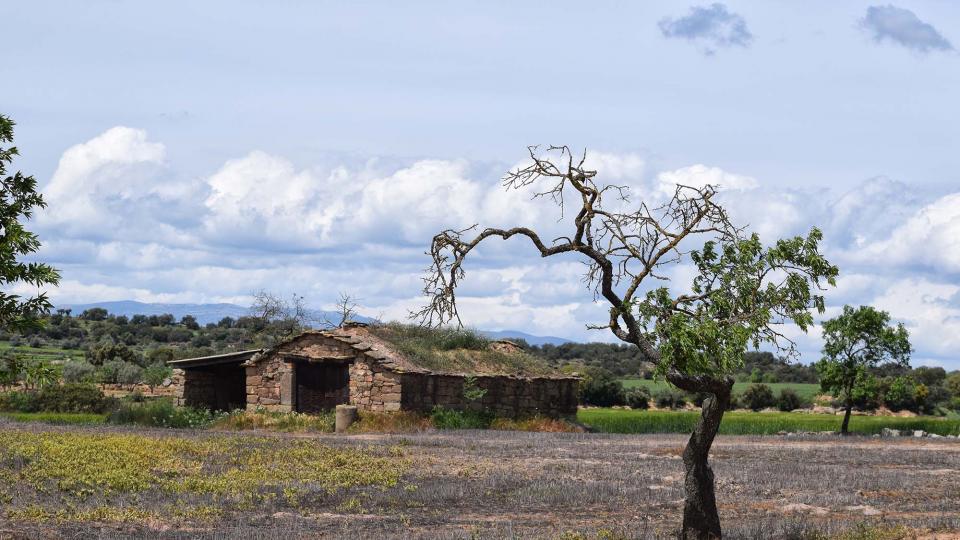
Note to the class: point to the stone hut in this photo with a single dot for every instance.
(364, 366)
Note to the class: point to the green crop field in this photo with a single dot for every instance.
(41, 353)
(751, 423)
(55, 417)
(806, 390)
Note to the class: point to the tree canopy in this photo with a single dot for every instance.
(854, 342)
(18, 199)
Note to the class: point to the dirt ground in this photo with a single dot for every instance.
(490, 484)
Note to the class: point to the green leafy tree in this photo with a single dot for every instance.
(39, 374)
(854, 342)
(18, 199)
(953, 384)
(696, 334)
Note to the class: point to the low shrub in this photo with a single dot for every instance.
(790, 400)
(601, 388)
(758, 396)
(638, 397)
(18, 401)
(670, 399)
(444, 418)
(73, 398)
(162, 413)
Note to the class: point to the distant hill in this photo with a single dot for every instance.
(529, 338)
(204, 313)
(211, 313)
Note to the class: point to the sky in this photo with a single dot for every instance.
(199, 151)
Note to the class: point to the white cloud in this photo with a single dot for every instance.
(699, 176)
(122, 226)
(930, 238)
(930, 312)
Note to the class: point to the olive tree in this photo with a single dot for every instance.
(695, 333)
(853, 342)
(18, 199)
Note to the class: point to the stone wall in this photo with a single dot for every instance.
(271, 380)
(505, 395)
(373, 388)
(270, 385)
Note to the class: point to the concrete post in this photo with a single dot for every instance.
(345, 416)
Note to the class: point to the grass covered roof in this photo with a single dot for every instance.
(458, 350)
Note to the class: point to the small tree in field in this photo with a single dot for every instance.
(855, 341)
(696, 333)
(18, 198)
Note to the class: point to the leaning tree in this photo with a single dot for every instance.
(695, 333)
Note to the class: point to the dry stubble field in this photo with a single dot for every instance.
(468, 484)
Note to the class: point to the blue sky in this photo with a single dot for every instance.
(198, 151)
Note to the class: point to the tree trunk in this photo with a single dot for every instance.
(846, 419)
(700, 518)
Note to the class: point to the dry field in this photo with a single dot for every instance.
(468, 484)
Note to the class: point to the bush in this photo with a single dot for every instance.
(129, 374)
(600, 388)
(638, 398)
(790, 400)
(19, 402)
(758, 396)
(670, 399)
(78, 371)
(900, 395)
(162, 413)
(72, 398)
(444, 418)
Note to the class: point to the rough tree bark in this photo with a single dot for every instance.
(701, 521)
(845, 426)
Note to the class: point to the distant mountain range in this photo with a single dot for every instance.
(211, 313)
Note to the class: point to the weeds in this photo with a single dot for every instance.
(215, 474)
(162, 413)
(277, 421)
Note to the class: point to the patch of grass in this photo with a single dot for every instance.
(56, 418)
(456, 351)
(535, 423)
(113, 477)
(276, 421)
(391, 422)
(750, 423)
(162, 413)
(804, 390)
(444, 418)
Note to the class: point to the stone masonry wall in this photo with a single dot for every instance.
(373, 388)
(271, 380)
(505, 395)
(270, 385)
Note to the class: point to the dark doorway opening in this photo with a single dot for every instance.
(220, 388)
(322, 386)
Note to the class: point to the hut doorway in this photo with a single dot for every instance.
(321, 385)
